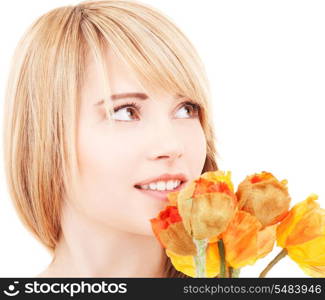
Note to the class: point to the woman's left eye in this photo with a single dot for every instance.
(192, 108)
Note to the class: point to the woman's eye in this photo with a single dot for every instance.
(126, 112)
(190, 108)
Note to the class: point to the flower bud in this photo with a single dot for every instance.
(169, 230)
(207, 205)
(263, 196)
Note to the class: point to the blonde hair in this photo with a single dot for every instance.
(43, 97)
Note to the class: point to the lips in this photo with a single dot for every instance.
(163, 177)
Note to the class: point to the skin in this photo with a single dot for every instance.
(106, 231)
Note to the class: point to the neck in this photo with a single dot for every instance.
(88, 249)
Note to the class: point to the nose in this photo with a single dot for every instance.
(166, 143)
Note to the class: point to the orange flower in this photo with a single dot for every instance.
(169, 230)
(302, 234)
(246, 241)
(207, 205)
(263, 196)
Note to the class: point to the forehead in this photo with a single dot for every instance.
(121, 77)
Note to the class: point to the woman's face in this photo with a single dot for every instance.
(160, 136)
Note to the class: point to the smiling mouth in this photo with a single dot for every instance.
(163, 191)
(158, 194)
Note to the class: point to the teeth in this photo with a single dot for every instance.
(176, 183)
(152, 186)
(161, 185)
(170, 185)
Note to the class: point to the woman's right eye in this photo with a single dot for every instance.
(125, 111)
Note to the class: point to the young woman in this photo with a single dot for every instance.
(107, 110)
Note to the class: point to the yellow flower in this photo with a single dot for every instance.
(313, 271)
(263, 196)
(186, 265)
(207, 205)
(302, 234)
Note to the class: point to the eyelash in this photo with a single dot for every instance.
(196, 107)
(129, 104)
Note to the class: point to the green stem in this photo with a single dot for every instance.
(230, 271)
(281, 255)
(223, 267)
(235, 273)
(200, 258)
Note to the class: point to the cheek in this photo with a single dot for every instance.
(103, 155)
(194, 141)
(107, 162)
(104, 161)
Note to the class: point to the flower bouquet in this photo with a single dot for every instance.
(210, 230)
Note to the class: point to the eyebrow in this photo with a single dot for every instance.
(140, 96)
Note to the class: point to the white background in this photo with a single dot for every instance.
(266, 65)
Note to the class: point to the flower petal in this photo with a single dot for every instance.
(219, 176)
(240, 240)
(211, 214)
(288, 225)
(310, 226)
(172, 198)
(186, 264)
(311, 252)
(313, 271)
(176, 239)
(170, 232)
(266, 240)
(184, 204)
